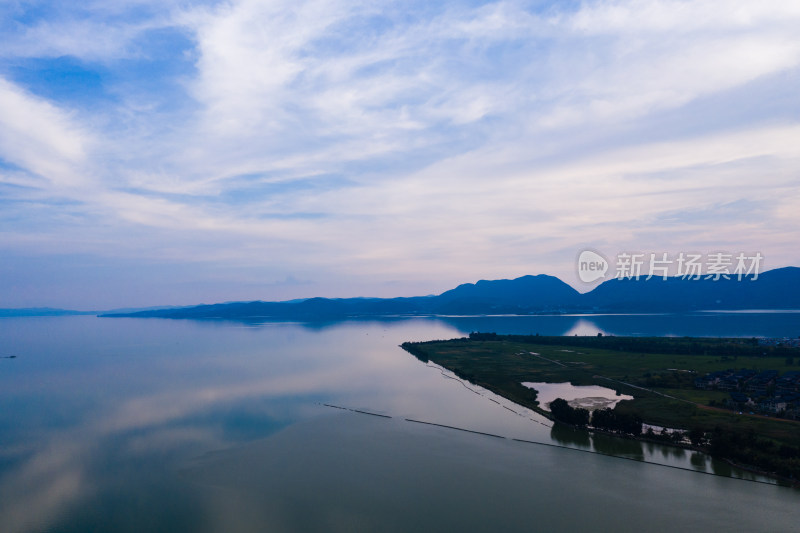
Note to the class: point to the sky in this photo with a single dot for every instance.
(177, 152)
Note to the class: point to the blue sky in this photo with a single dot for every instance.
(178, 152)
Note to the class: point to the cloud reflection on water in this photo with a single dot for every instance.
(99, 409)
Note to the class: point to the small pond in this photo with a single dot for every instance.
(589, 397)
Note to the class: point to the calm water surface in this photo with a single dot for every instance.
(589, 397)
(158, 425)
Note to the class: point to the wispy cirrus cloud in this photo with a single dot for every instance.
(39, 137)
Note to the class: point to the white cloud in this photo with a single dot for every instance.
(92, 30)
(39, 137)
(644, 17)
(356, 137)
(643, 56)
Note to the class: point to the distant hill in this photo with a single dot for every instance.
(775, 289)
(508, 296)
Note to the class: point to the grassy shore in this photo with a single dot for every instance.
(658, 372)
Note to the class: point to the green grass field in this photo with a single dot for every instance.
(501, 366)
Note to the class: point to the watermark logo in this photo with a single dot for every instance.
(591, 266)
(715, 266)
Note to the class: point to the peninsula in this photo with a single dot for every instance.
(671, 381)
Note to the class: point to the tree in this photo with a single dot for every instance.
(696, 436)
(613, 421)
(564, 412)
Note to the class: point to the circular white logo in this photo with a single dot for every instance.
(591, 266)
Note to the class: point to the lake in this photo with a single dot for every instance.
(171, 425)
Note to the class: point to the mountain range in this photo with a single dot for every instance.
(542, 294)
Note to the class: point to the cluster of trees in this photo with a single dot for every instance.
(564, 412)
(746, 448)
(478, 336)
(607, 419)
(740, 447)
(611, 420)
